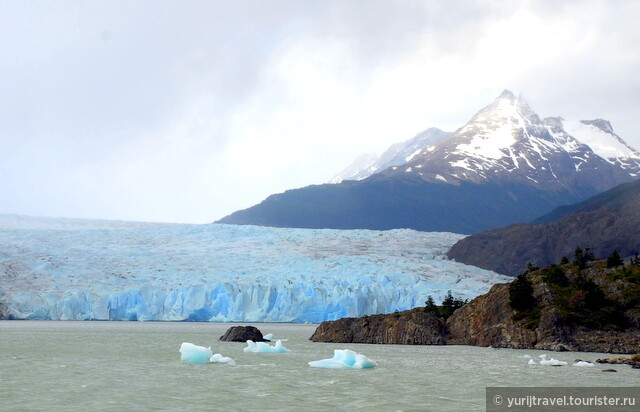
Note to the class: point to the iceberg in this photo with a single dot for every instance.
(194, 354)
(551, 362)
(264, 347)
(343, 359)
(218, 358)
(583, 363)
(72, 269)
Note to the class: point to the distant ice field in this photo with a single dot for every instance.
(68, 269)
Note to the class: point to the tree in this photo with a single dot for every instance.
(521, 294)
(430, 305)
(635, 260)
(564, 260)
(449, 305)
(581, 257)
(614, 260)
(555, 275)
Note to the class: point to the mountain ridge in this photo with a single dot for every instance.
(504, 166)
(606, 222)
(396, 155)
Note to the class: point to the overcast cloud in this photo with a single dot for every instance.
(186, 111)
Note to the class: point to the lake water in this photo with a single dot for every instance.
(135, 366)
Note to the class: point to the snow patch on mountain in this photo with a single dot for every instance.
(364, 166)
(601, 140)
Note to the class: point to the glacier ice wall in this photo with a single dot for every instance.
(67, 269)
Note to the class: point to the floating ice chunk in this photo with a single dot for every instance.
(531, 362)
(269, 336)
(583, 363)
(218, 358)
(194, 354)
(551, 362)
(264, 347)
(344, 358)
(526, 356)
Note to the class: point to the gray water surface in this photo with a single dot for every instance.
(135, 366)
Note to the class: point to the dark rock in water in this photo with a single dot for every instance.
(410, 327)
(242, 334)
(609, 370)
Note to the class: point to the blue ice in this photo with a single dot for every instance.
(100, 270)
(264, 347)
(194, 354)
(343, 359)
(218, 358)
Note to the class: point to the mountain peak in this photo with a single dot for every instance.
(601, 124)
(506, 94)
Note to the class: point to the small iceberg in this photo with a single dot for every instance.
(269, 337)
(583, 363)
(343, 359)
(532, 362)
(195, 354)
(526, 356)
(264, 347)
(218, 358)
(551, 362)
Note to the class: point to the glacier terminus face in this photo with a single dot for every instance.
(67, 269)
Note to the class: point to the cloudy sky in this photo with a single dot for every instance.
(185, 111)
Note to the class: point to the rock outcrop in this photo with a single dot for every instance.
(410, 327)
(243, 334)
(634, 361)
(488, 320)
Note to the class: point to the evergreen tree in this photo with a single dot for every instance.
(635, 260)
(430, 304)
(614, 260)
(521, 294)
(581, 257)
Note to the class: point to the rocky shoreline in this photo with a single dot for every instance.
(489, 320)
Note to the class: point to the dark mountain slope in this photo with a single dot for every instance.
(407, 202)
(609, 221)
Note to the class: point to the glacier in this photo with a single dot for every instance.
(73, 269)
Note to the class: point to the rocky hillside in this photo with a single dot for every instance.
(606, 222)
(562, 308)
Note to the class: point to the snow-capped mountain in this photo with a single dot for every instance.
(506, 165)
(362, 167)
(67, 269)
(396, 155)
(507, 141)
